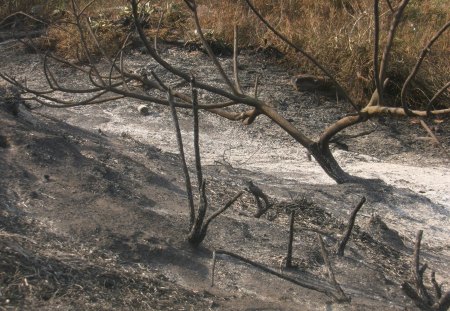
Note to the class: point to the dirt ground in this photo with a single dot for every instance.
(94, 213)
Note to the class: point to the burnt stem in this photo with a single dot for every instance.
(291, 240)
(351, 223)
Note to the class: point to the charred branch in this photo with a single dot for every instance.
(291, 240)
(348, 231)
(316, 287)
(187, 178)
(418, 292)
(259, 195)
(341, 295)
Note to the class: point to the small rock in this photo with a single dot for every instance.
(143, 110)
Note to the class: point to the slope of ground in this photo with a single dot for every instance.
(94, 213)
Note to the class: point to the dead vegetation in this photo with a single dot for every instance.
(345, 44)
(120, 83)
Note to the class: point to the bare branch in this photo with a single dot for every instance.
(436, 96)
(390, 6)
(83, 41)
(183, 159)
(387, 48)
(245, 100)
(416, 271)
(400, 112)
(422, 56)
(376, 42)
(430, 133)
(220, 211)
(198, 164)
(155, 39)
(235, 60)
(197, 234)
(351, 223)
(255, 89)
(258, 194)
(316, 286)
(291, 239)
(436, 286)
(303, 52)
(210, 52)
(326, 259)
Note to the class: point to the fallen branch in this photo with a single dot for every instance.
(317, 287)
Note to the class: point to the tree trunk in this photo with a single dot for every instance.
(321, 152)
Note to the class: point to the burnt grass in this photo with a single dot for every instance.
(90, 221)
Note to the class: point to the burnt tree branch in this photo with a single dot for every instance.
(348, 231)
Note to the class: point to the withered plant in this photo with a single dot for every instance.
(119, 82)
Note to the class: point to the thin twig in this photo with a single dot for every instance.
(418, 279)
(220, 211)
(351, 223)
(183, 159)
(387, 48)
(291, 240)
(390, 6)
(303, 52)
(422, 56)
(331, 276)
(155, 39)
(193, 6)
(436, 96)
(255, 92)
(198, 163)
(213, 268)
(235, 60)
(436, 286)
(376, 15)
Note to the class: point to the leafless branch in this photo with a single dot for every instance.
(388, 2)
(419, 293)
(316, 287)
(351, 223)
(195, 235)
(341, 295)
(422, 56)
(291, 239)
(255, 89)
(155, 39)
(198, 164)
(418, 276)
(235, 60)
(193, 6)
(220, 211)
(436, 96)
(183, 159)
(376, 42)
(387, 48)
(303, 52)
(259, 194)
(436, 286)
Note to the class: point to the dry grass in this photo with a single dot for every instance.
(339, 33)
